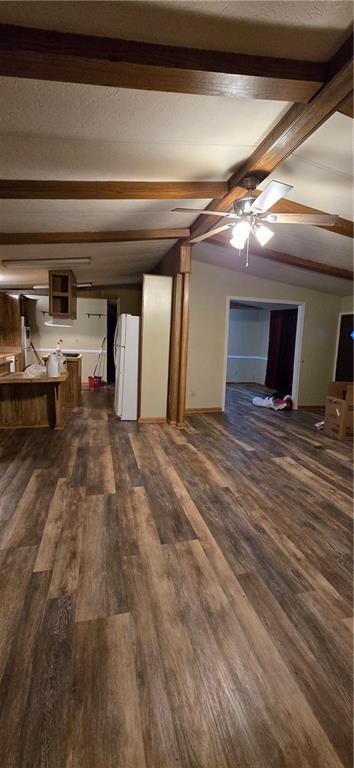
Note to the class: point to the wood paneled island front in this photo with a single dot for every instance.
(31, 402)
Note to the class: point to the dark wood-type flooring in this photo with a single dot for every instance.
(175, 598)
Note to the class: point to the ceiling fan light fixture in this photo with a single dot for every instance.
(240, 233)
(263, 234)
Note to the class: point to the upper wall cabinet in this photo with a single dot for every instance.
(10, 321)
(62, 294)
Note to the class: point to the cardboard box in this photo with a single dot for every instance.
(339, 410)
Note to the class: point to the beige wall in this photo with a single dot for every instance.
(85, 335)
(347, 304)
(155, 346)
(210, 288)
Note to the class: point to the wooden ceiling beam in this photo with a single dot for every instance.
(299, 122)
(72, 58)
(118, 236)
(347, 106)
(27, 189)
(289, 259)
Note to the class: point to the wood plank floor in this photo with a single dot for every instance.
(176, 598)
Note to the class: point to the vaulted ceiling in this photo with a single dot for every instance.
(68, 129)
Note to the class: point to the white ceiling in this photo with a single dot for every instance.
(65, 131)
(270, 270)
(321, 169)
(313, 243)
(97, 113)
(110, 262)
(300, 29)
(56, 131)
(93, 215)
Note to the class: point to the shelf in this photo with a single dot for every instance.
(62, 294)
(60, 283)
(60, 305)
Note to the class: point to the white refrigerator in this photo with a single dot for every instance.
(126, 358)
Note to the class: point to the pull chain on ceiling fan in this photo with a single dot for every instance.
(251, 214)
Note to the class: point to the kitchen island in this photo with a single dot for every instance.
(31, 402)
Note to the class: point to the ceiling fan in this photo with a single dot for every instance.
(251, 214)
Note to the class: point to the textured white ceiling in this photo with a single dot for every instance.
(64, 131)
(297, 29)
(270, 270)
(56, 131)
(320, 170)
(73, 111)
(109, 261)
(313, 243)
(82, 215)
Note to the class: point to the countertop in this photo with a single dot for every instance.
(20, 378)
(68, 358)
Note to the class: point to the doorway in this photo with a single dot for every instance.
(112, 316)
(281, 349)
(263, 345)
(344, 358)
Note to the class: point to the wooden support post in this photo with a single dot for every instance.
(175, 350)
(184, 350)
(178, 263)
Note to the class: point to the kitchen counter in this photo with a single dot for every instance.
(21, 378)
(31, 401)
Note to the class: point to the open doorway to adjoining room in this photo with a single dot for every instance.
(263, 347)
(343, 364)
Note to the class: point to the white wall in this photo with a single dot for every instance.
(247, 345)
(85, 335)
(210, 288)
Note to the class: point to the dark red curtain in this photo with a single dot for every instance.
(281, 348)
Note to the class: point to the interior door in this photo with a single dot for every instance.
(344, 366)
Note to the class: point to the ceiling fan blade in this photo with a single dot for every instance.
(316, 219)
(205, 213)
(211, 232)
(270, 195)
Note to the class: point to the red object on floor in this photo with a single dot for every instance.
(95, 382)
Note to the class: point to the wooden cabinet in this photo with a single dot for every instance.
(31, 402)
(5, 367)
(10, 321)
(72, 389)
(62, 294)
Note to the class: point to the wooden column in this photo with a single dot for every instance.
(184, 350)
(175, 349)
(178, 263)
